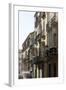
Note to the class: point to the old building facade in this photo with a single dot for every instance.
(41, 42)
(28, 51)
(40, 49)
(45, 62)
(52, 33)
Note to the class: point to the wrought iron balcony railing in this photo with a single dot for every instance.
(37, 59)
(51, 52)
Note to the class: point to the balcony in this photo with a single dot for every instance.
(38, 37)
(51, 52)
(37, 60)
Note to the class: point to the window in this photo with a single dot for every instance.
(36, 22)
(55, 74)
(49, 70)
(54, 39)
(42, 70)
(36, 72)
(43, 15)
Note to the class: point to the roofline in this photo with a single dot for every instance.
(28, 36)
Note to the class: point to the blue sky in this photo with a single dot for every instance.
(26, 25)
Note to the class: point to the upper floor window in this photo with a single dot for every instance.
(43, 15)
(54, 39)
(36, 21)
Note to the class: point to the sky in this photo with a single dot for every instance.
(26, 25)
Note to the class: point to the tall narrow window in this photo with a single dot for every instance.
(49, 70)
(55, 74)
(54, 39)
(42, 70)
